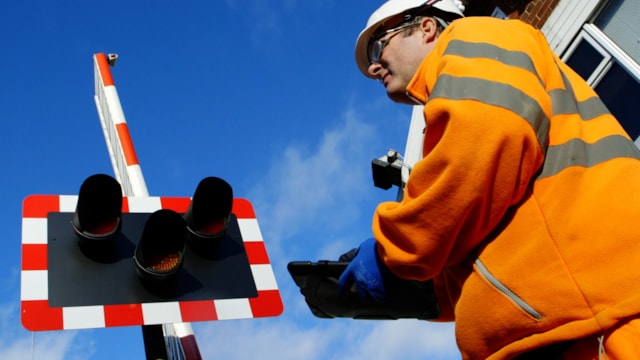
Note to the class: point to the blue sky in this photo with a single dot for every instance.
(264, 94)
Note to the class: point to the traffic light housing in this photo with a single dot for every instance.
(208, 216)
(66, 286)
(159, 254)
(97, 220)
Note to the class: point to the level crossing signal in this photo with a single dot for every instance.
(102, 259)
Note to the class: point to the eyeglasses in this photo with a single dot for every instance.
(376, 47)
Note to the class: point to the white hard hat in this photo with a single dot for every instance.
(449, 9)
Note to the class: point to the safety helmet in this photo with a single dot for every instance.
(447, 9)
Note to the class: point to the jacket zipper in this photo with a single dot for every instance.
(506, 291)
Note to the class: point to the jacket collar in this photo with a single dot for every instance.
(418, 88)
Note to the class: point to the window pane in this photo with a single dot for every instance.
(619, 91)
(584, 59)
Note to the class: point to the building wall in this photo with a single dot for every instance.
(537, 12)
(534, 12)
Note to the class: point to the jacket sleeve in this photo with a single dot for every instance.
(486, 124)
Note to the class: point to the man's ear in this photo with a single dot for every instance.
(429, 28)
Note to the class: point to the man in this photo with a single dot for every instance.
(523, 210)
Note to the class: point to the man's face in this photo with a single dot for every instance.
(399, 60)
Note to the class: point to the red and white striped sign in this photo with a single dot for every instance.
(37, 315)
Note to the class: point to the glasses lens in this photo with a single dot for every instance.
(374, 52)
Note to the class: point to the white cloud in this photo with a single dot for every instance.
(19, 344)
(264, 338)
(319, 190)
(335, 339)
(408, 339)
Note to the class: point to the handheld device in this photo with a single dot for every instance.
(318, 283)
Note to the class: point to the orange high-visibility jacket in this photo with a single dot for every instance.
(525, 207)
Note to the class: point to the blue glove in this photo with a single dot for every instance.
(366, 270)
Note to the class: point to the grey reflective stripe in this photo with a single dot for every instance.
(563, 100)
(564, 103)
(506, 291)
(497, 94)
(577, 152)
(471, 50)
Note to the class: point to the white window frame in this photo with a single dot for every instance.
(608, 49)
